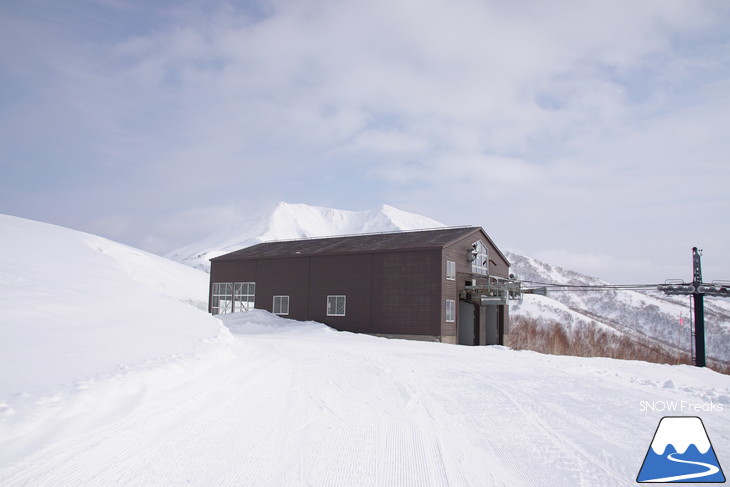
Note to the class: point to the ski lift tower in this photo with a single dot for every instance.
(698, 290)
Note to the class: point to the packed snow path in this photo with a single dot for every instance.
(301, 404)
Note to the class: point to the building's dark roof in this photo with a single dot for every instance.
(420, 239)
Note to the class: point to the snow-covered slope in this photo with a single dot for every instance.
(664, 319)
(76, 306)
(290, 221)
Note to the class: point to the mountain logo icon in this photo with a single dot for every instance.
(681, 452)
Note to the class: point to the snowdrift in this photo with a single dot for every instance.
(77, 307)
(256, 321)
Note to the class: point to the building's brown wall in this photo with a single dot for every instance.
(459, 252)
(283, 277)
(406, 291)
(450, 289)
(231, 271)
(394, 293)
(388, 292)
(348, 275)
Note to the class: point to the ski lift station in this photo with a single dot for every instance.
(449, 284)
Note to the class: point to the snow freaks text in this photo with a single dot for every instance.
(680, 407)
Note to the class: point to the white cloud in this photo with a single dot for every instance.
(550, 115)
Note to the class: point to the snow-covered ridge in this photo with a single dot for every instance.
(75, 304)
(665, 319)
(291, 221)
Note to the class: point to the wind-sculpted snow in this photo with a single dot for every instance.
(76, 306)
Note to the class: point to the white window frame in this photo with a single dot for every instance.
(333, 305)
(244, 296)
(450, 311)
(280, 309)
(480, 258)
(221, 298)
(450, 270)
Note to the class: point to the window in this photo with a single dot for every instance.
(231, 297)
(222, 298)
(480, 258)
(281, 305)
(336, 305)
(450, 311)
(244, 295)
(450, 270)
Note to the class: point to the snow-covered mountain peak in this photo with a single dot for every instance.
(286, 221)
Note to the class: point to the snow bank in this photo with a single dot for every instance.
(258, 321)
(76, 307)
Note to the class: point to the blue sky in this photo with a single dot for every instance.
(592, 134)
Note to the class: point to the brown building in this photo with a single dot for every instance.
(450, 285)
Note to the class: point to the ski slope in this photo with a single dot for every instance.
(294, 403)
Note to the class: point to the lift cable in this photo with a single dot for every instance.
(551, 286)
(697, 290)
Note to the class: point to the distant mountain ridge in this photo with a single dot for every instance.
(291, 221)
(649, 317)
(652, 317)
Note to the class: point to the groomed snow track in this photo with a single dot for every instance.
(300, 404)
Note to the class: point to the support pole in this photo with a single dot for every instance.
(699, 301)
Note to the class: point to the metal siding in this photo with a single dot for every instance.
(233, 271)
(400, 292)
(458, 251)
(283, 277)
(406, 290)
(450, 289)
(342, 275)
